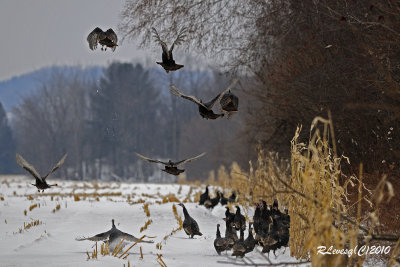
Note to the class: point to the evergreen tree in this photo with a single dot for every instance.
(127, 116)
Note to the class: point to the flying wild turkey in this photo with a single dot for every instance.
(189, 224)
(168, 62)
(112, 235)
(170, 166)
(41, 183)
(229, 102)
(205, 108)
(105, 39)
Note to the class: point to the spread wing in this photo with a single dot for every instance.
(211, 103)
(24, 164)
(99, 237)
(188, 160)
(128, 237)
(151, 160)
(110, 34)
(162, 43)
(176, 92)
(94, 37)
(179, 39)
(58, 165)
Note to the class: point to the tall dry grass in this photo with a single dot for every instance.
(315, 190)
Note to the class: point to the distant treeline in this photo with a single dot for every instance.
(100, 123)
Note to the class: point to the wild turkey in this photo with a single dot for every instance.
(170, 166)
(204, 197)
(257, 219)
(229, 103)
(266, 218)
(229, 215)
(223, 200)
(205, 109)
(107, 39)
(211, 203)
(239, 248)
(239, 220)
(112, 235)
(232, 197)
(271, 240)
(168, 62)
(230, 234)
(219, 242)
(249, 242)
(189, 224)
(275, 209)
(286, 217)
(40, 183)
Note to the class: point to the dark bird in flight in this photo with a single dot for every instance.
(107, 39)
(229, 103)
(170, 166)
(41, 183)
(112, 235)
(168, 62)
(205, 109)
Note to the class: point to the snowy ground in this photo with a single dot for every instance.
(86, 209)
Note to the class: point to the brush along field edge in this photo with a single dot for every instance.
(318, 203)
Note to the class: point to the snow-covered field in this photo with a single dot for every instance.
(86, 208)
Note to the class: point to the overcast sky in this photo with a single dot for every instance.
(39, 33)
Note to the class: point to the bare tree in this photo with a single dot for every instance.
(51, 122)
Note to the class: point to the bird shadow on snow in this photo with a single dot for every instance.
(42, 237)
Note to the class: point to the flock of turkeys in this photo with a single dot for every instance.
(270, 225)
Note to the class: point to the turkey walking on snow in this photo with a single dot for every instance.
(112, 235)
(41, 183)
(219, 242)
(168, 62)
(204, 197)
(229, 215)
(210, 204)
(232, 197)
(223, 199)
(239, 220)
(249, 242)
(189, 224)
(107, 39)
(239, 248)
(170, 166)
(230, 234)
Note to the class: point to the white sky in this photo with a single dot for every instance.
(38, 33)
